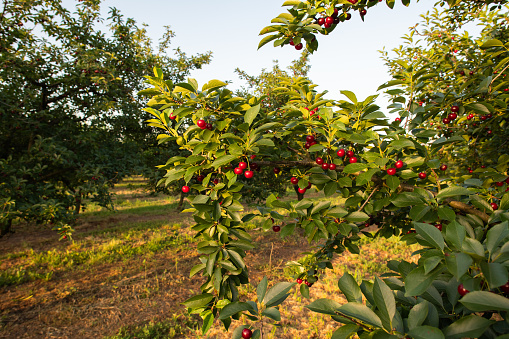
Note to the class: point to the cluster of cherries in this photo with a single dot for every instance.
(295, 181)
(452, 116)
(240, 169)
(310, 141)
(202, 124)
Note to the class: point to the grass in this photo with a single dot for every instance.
(126, 274)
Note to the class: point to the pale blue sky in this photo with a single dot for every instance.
(347, 59)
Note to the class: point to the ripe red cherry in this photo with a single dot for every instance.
(247, 333)
(298, 46)
(172, 117)
(443, 167)
(276, 170)
(310, 138)
(471, 73)
(500, 183)
(321, 21)
(215, 181)
(422, 175)
(452, 116)
(348, 15)
(325, 166)
(353, 160)
(462, 290)
(340, 153)
(397, 119)
(446, 120)
(308, 284)
(242, 165)
(455, 109)
(201, 123)
(329, 20)
(209, 126)
(299, 281)
(276, 228)
(248, 174)
(291, 42)
(319, 161)
(363, 12)
(302, 190)
(399, 164)
(332, 167)
(308, 186)
(484, 117)
(505, 288)
(494, 205)
(294, 180)
(391, 171)
(470, 116)
(349, 154)
(185, 189)
(200, 178)
(238, 170)
(439, 227)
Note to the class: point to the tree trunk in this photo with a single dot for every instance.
(300, 196)
(180, 206)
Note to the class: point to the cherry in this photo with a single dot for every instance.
(462, 290)
(302, 190)
(422, 175)
(399, 164)
(209, 127)
(363, 12)
(349, 154)
(276, 170)
(321, 21)
(340, 153)
(319, 161)
(172, 117)
(484, 117)
(332, 167)
(291, 42)
(310, 138)
(391, 171)
(215, 181)
(494, 205)
(329, 20)
(247, 333)
(446, 120)
(455, 109)
(397, 119)
(299, 281)
(298, 46)
(253, 156)
(443, 167)
(238, 170)
(201, 123)
(483, 166)
(200, 178)
(308, 284)
(325, 166)
(348, 15)
(248, 174)
(439, 227)
(452, 116)
(470, 116)
(471, 73)
(505, 288)
(421, 103)
(185, 189)
(294, 180)
(308, 186)
(462, 72)
(276, 228)
(242, 165)
(353, 160)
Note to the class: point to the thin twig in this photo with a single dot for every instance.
(365, 202)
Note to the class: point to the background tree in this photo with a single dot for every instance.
(71, 123)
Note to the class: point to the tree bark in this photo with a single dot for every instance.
(180, 206)
(300, 196)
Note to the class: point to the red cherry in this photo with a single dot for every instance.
(201, 123)
(248, 174)
(200, 178)
(391, 171)
(353, 160)
(500, 183)
(439, 227)
(494, 205)
(172, 117)
(308, 284)
(209, 126)
(308, 186)
(363, 12)
(422, 175)
(276, 228)
(247, 333)
(298, 46)
(452, 116)
(462, 290)
(325, 166)
(399, 164)
(294, 180)
(484, 117)
(215, 181)
(238, 170)
(470, 116)
(185, 189)
(253, 156)
(332, 167)
(321, 21)
(505, 288)
(471, 73)
(276, 170)
(291, 42)
(348, 15)
(340, 153)
(455, 109)
(446, 120)
(319, 161)
(329, 20)
(242, 165)
(310, 138)
(302, 190)
(299, 281)
(397, 119)
(443, 167)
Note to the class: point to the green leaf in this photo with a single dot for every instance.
(471, 326)
(458, 264)
(495, 273)
(267, 39)
(417, 282)
(330, 188)
(418, 212)
(452, 191)
(234, 308)
(251, 114)
(349, 95)
(417, 315)
(455, 234)
(361, 312)
(445, 213)
(431, 234)
(407, 199)
(350, 288)
(344, 331)
(426, 332)
(384, 299)
(223, 160)
(492, 43)
(393, 182)
(401, 143)
(480, 301)
(196, 269)
(354, 168)
(325, 306)
(208, 320)
(213, 84)
(496, 235)
(261, 289)
(277, 292)
(316, 148)
(272, 313)
(198, 300)
(304, 291)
